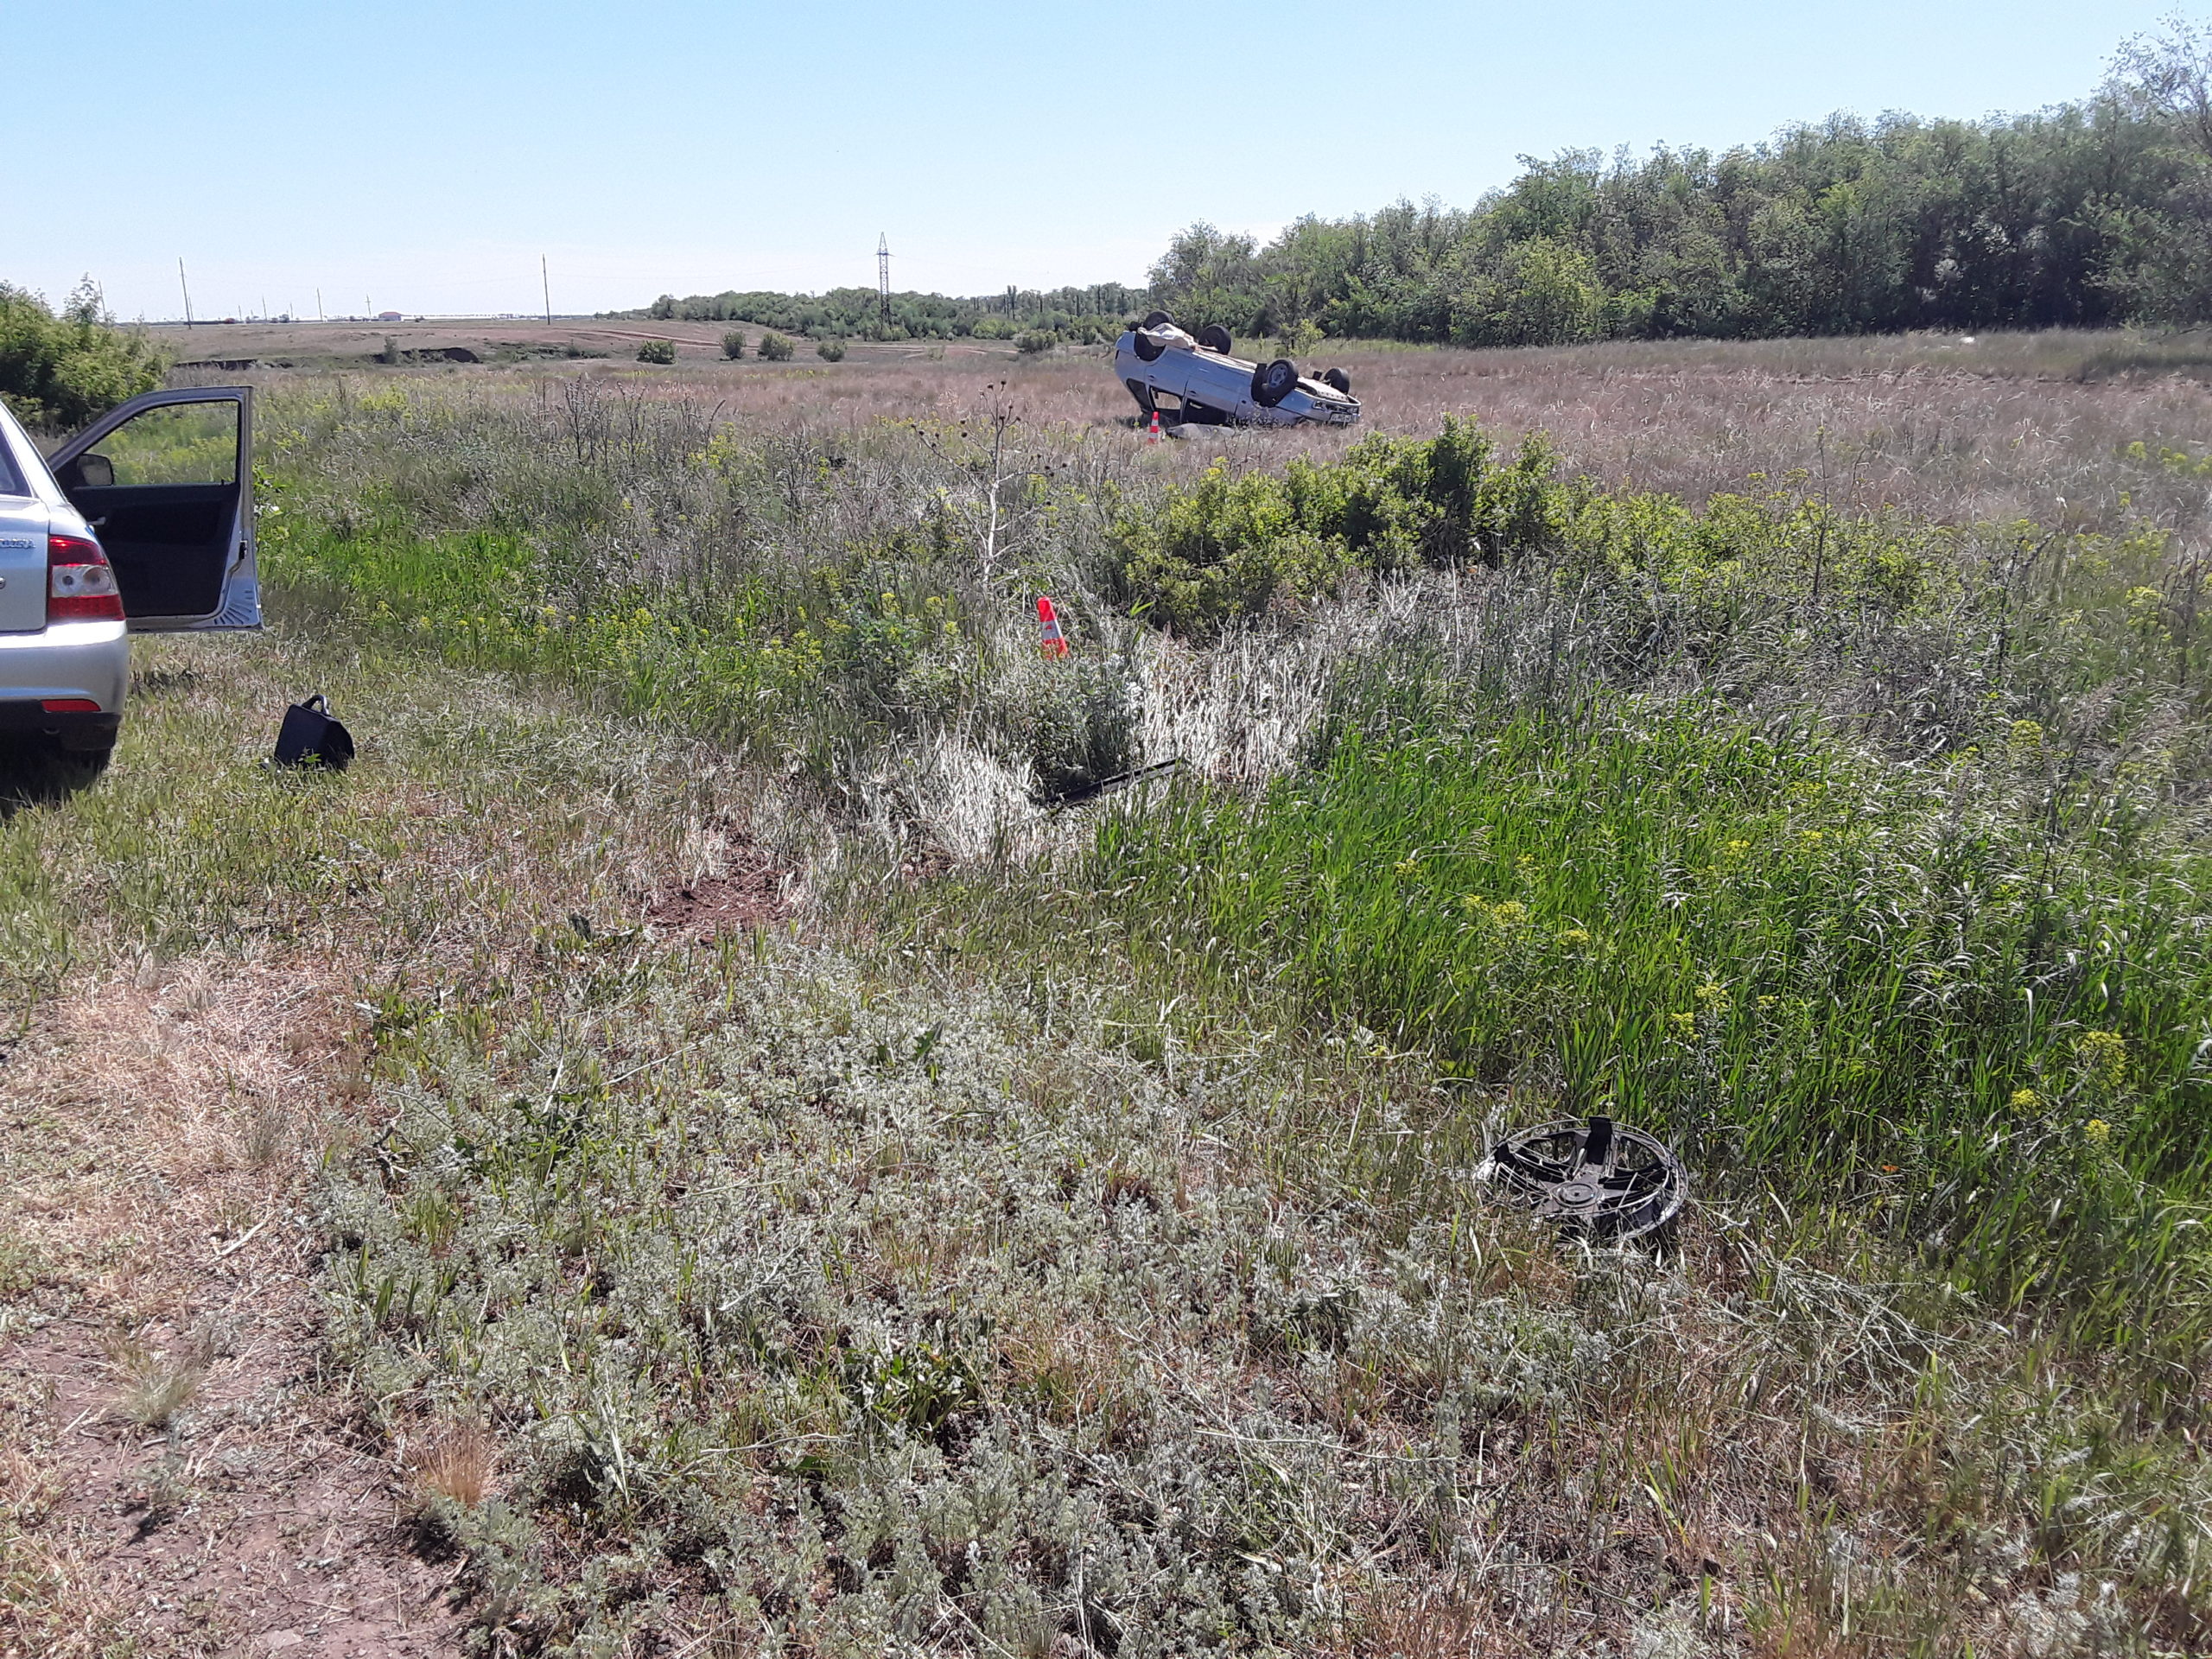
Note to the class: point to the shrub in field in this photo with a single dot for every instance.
(733, 344)
(1072, 718)
(1035, 342)
(774, 349)
(656, 351)
(1234, 545)
(62, 370)
(830, 351)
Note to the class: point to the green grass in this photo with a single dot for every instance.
(1819, 976)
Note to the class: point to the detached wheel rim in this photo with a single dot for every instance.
(1595, 1179)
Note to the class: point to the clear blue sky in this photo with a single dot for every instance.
(424, 155)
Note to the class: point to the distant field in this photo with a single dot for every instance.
(2005, 426)
(491, 340)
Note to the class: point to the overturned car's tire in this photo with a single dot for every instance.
(1215, 338)
(1338, 379)
(1273, 382)
(1147, 349)
(1154, 318)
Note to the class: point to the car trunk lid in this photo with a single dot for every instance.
(22, 564)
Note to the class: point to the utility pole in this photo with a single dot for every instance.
(317, 305)
(187, 286)
(545, 277)
(883, 279)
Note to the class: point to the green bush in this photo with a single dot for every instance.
(1072, 718)
(1236, 545)
(1036, 343)
(60, 370)
(830, 351)
(774, 349)
(656, 351)
(733, 344)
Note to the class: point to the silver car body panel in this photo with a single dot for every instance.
(1221, 383)
(70, 659)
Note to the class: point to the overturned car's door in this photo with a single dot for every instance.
(166, 481)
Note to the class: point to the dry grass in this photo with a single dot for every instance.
(2013, 426)
(455, 1461)
(152, 1387)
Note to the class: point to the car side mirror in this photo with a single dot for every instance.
(89, 471)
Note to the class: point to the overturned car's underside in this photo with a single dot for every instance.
(1194, 380)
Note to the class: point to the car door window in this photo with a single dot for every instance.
(185, 443)
(161, 491)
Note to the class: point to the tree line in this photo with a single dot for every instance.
(1092, 313)
(2091, 212)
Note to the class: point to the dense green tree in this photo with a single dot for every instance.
(62, 370)
(2094, 212)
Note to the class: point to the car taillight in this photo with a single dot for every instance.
(79, 583)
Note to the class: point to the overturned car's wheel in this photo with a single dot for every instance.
(1215, 338)
(1338, 379)
(1147, 349)
(1154, 318)
(1273, 382)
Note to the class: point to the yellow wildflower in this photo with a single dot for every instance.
(2104, 1052)
(2025, 1100)
(2097, 1132)
(1575, 936)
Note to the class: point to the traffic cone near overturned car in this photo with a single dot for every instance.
(1054, 643)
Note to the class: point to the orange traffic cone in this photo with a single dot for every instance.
(1048, 623)
(1154, 437)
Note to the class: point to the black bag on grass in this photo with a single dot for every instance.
(310, 737)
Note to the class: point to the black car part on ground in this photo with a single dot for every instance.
(1337, 380)
(1273, 382)
(1598, 1178)
(312, 736)
(1082, 793)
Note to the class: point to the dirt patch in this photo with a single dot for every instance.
(179, 1476)
(754, 894)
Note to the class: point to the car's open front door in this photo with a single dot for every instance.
(166, 481)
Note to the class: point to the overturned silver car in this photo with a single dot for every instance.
(1193, 380)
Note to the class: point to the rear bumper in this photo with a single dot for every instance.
(79, 730)
(88, 660)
